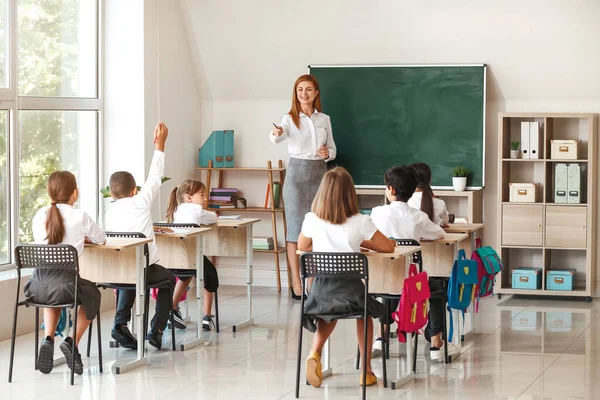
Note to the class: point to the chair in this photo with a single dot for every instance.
(188, 273)
(128, 286)
(339, 266)
(61, 256)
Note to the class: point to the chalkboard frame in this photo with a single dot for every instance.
(439, 187)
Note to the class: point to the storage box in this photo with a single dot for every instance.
(522, 192)
(527, 278)
(564, 149)
(525, 320)
(557, 321)
(218, 148)
(560, 279)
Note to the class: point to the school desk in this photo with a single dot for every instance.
(183, 249)
(233, 238)
(471, 229)
(120, 260)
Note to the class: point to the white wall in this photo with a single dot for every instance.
(542, 56)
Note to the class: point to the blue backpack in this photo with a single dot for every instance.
(462, 288)
(62, 323)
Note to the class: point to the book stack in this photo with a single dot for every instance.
(262, 243)
(222, 198)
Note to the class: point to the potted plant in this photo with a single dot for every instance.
(105, 192)
(514, 149)
(459, 178)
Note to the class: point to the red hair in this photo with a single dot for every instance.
(296, 109)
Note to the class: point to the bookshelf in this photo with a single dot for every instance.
(547, 234)
(269, 171)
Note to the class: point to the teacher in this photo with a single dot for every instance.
(310, 146)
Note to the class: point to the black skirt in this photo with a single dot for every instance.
(331, 299)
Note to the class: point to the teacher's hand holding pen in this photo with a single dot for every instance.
(278, 131)
(323, 152)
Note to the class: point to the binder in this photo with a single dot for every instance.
(561, 180)
(534, 140)
(524, 140)
(228, 152)
(218, 148)
(574, 184)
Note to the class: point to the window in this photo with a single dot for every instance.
(4, 190)
(3, 46)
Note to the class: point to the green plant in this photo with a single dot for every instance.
(514, 145)
(461, 172)
(105, 191)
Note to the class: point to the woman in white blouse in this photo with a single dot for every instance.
(310, 145)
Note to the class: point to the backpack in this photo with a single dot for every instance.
(62, 323)
(489, 264)
(462, 286)
(411, 315)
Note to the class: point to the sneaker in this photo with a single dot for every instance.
(45, 361)
(68, 347)
(123, 336)
(377, 347)
(154, 337)
(178, 319)
(438, 353)
(207, 323)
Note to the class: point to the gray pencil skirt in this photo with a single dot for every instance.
(302, 181)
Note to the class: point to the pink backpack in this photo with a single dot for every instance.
(411, 315)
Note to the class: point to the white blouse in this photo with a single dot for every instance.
(191, 213)
(345, 238)
(304, 143)
(399, 221)
(440, 213)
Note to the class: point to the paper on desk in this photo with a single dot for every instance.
(177, 230)
(230, 217)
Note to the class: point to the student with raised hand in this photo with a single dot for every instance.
(310, 145)
(423, 198)
(186, 207)
(131, 212)
(335, 225)
(61, 223)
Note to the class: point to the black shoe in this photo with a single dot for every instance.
(178, 319)
(207, 323)
(154, 337)
(295, 296)
(123, 336)
(45, 361)
(68, 347)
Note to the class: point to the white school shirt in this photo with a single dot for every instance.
(78, 225)
(399, 221)
(132, 214)
(345, 238)
(304, 143)
(191, 213)
(440, 213)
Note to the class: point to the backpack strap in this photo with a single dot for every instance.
(451, 328)
(461, 254)
(477, 243)
(412, 271)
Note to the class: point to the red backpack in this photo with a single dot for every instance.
(411, 315)
(485, 284)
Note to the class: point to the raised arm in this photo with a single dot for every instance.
(157, 168)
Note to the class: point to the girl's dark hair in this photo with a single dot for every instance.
(188, 186)
(423, 182)
(61, 186)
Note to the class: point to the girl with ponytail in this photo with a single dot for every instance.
(423, 198)
(61, 223)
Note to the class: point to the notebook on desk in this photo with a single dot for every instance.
(230, 217)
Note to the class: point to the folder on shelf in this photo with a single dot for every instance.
(534, 140)
(218, 148)
(560, 183)
(525, 140)
(574, 184)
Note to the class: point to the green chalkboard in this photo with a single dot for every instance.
(388, 115)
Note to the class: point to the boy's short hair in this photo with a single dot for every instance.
(403, 180)
(122, 184)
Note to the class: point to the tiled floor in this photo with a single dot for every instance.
(523, 349)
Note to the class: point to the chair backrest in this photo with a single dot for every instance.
(47, 256)
(134, 235)
(338, 265)
(174, 225)
(417, 256)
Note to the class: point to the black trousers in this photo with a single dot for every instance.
(155, 273)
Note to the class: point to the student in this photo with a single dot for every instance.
(335, 225)
(60, 223)
(185, 206)
(399, 221)
(131, 213)
(423, 198)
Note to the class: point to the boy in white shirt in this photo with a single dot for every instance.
(399, 221)
(131, 212)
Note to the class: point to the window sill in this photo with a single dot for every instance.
(12, 274)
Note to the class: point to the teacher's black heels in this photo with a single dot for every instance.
(295, 296)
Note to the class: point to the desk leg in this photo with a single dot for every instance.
(327, 371)
(199, 294)
(410, 377)
(249, 278)
(140, 294)
(470, 324)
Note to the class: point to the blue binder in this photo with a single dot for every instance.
(218, 148)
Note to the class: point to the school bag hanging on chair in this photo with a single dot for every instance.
(411, 315)
(462, 287)
(488, 265)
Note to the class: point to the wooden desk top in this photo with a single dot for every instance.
(463, 228)
(236, 223)
(399, 251)
(113, 243)
(451, 238)
(189, 232)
